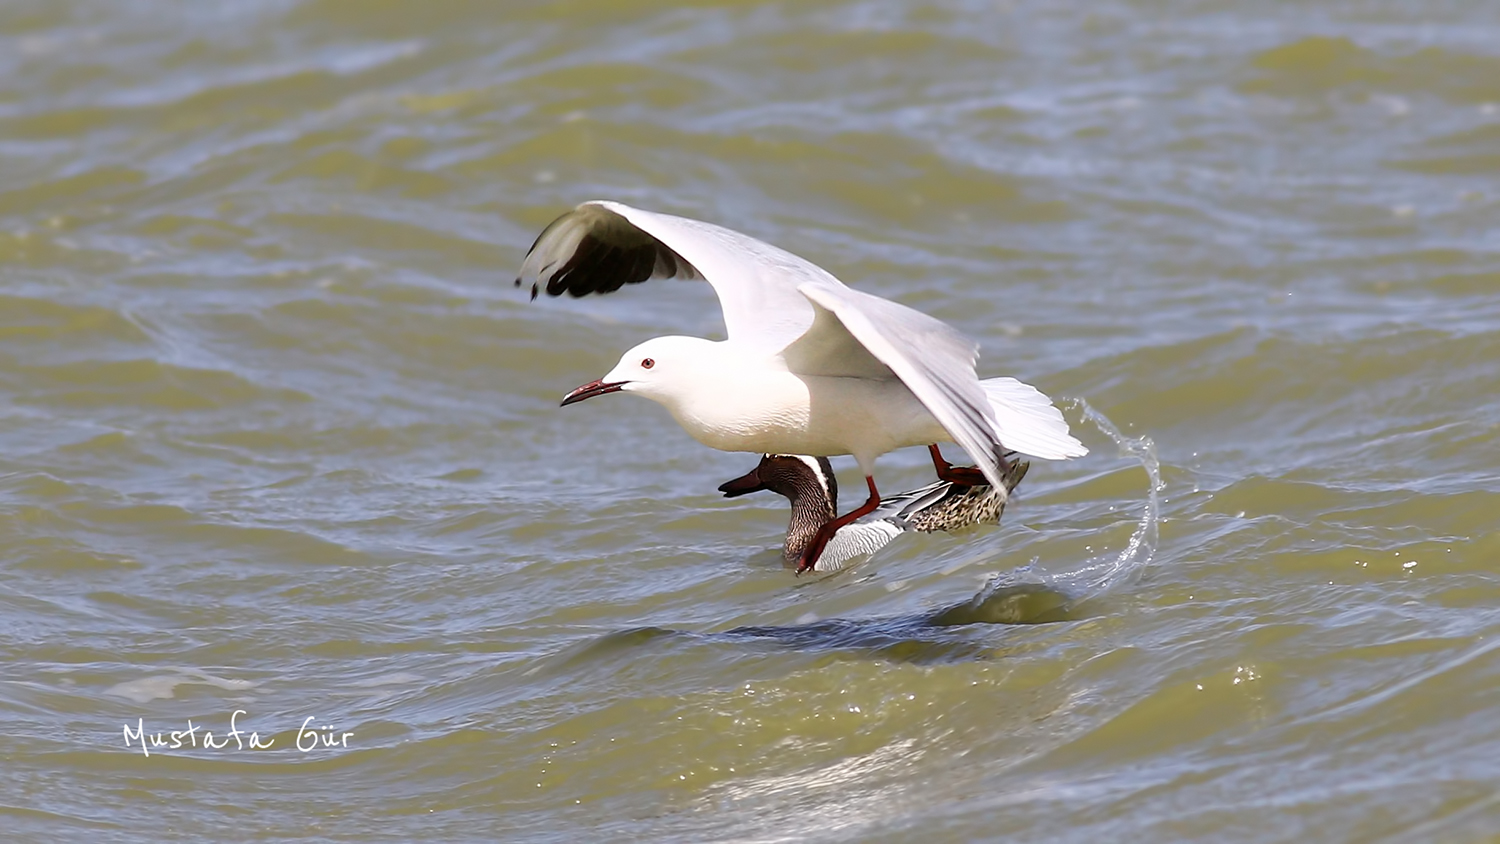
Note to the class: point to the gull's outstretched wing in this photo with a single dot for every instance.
(1029, 422)
(857, 334)
(601, 246)
(932, 359)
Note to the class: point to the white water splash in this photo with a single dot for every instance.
(1126, 567)
(1101, 573)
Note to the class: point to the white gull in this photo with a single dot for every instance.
(809, 484)
(810, 366)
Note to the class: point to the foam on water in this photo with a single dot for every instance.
(164, 686)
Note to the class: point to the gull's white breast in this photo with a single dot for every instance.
(768, 410)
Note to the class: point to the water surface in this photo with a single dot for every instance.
(277, 435)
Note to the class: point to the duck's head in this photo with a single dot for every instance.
(809, 484)
(795, 476)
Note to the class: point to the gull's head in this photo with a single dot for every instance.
(663, 369)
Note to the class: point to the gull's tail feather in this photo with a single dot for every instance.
(1028, 422)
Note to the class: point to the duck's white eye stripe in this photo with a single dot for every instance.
(817, 472)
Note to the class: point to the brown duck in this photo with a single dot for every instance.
(809, 483)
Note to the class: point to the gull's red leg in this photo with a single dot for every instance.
(961, 475)
(814, 549)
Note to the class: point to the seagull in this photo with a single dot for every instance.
(808, 482)
(810, 366)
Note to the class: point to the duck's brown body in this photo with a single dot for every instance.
(809, 484)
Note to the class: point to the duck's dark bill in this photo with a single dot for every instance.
(743, 485)
(589, 390)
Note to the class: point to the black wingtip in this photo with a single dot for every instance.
(533, 288)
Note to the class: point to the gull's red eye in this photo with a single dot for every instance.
(647, 363)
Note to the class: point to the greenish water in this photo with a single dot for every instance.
(277, 435)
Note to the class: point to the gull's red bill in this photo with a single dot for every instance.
(589, 390)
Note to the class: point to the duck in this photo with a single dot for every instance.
(809, 484)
